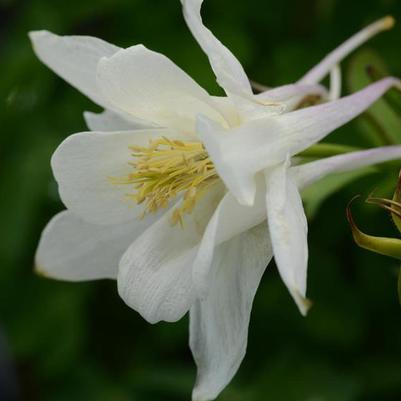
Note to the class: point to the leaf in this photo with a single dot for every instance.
(381, 122)
(317, 193)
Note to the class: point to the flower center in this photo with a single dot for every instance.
(167, 168)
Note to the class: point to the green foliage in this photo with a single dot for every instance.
(317, 193)
(383, 121)
(79, 341)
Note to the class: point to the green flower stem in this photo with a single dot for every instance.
(326, 150)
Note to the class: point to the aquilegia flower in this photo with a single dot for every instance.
(184, 197)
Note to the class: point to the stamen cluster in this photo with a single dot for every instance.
(168, 168)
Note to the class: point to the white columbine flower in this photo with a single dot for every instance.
(184, 197)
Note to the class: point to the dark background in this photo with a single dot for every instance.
(79, 341)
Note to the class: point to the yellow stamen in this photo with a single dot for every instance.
(167, 168)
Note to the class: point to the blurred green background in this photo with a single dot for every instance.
(79, 341)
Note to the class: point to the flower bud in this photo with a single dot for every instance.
(382, 245)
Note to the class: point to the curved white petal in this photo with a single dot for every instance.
(83, 166)
(74, 250)
(308, 173)
(110, 121)
(228, 70)
(317, 73)
(288, 232)
(149, 86)
(222, 227)
(219, 323)
(74, 58)
(222, 150)
(155, 273)
(227, 109)
(240, 153)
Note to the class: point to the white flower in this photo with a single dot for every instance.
(221, 166)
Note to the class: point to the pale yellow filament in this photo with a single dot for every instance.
(165, 169)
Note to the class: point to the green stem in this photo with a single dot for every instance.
(320, 150)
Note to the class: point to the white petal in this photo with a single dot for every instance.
(149, 86)
(241, 152)
(317, 73)
(110, 121)
(155, 273)
(227, 109)
(219, 323)
(222, 227)
(83, 166)
(308, 173)
(74, 250)
(288, 232)
(74, 58)
(222, 151)
(228, 70)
